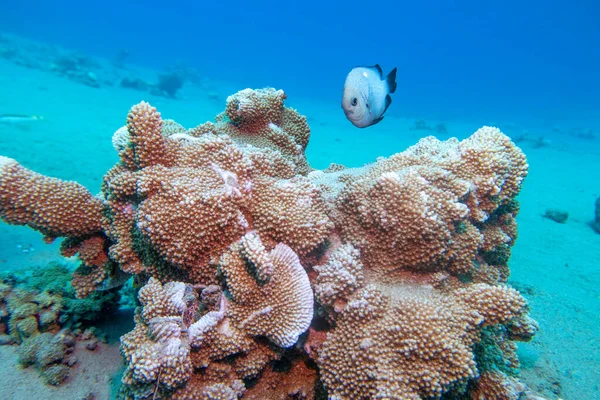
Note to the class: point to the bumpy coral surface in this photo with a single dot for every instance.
(54, 207)
(179, 328)
(432, 206)
(268, 279)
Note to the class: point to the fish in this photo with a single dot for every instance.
(18, 118)
(366, 95)
(116, 278)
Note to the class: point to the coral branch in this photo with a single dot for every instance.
(49, 205)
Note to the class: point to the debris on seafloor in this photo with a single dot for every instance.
(556, 215)
(596, 222)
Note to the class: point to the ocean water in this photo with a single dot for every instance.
(530, 69)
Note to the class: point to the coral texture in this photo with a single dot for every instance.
(49, 205)
(268, 279)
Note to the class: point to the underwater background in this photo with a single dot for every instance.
(71, 70)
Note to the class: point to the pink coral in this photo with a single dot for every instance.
(237, 236)
(52, 206)
(280, 309)
(387, 336)
(168, 340)
(432, 206)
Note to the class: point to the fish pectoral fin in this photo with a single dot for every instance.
(391, 81)
(388, 101)
(377, 120)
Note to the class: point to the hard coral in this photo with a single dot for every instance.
(172, 333)
(410, 341)
(49, 205)
(280, 309)
(234, 233)
(46, 351)
(259, 119)
(428, 208)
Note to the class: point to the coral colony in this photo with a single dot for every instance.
(267, 278)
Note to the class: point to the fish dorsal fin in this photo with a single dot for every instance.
(391, 81)
(377, 68)
(388, 101)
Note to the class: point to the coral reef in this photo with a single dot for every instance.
(98, 72)
(40, 312)
(265, 278)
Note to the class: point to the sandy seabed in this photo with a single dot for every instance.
(93, 377)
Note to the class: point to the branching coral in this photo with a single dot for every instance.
(51, 206)
(397, 269)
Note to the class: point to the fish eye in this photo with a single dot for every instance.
(354, 101)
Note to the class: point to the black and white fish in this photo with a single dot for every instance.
(366, 95)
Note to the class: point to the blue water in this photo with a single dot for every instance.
(507, 60)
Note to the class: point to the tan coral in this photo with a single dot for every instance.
(405, 256)
(194, 216)
(339, 277)
(202, 129)
(95, 264)
(496, 304)
(254, 108)
(410, 342)
(296, 383)
(86, 279)
(49, 205)
(252, 363)
(402, 219)
(213, 337)
(281, 309)
(205, 195)
(120, 230)
(418, 209)
(156, 351)
(217, 382)
(494, 165)
(259, 118)
(90, 250)
(496, 385)
(255, 253)
(290, 211)
(415, 347)
(144, 125)
(522, 328)
(160, 351)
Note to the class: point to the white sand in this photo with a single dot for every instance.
(94, 373)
